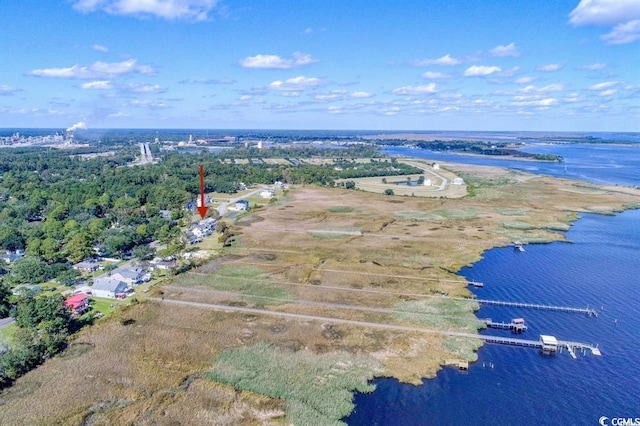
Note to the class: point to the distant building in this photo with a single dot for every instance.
(11, 256)
(242, 205)
(458, 181)
(267, 193)
(427, 182)
(435, 166)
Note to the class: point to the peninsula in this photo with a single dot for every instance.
(315, 293)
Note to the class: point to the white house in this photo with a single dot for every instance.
(427, 182)
(267, 193)
(109, 288)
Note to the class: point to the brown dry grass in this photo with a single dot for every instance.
(148, 372)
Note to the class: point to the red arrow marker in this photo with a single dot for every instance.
(202, 208)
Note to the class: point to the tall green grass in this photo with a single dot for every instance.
(317, 389)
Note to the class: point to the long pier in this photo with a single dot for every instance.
(562, 344)
(589, 311)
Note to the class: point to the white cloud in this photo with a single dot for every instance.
(624, 33)
(331, 96)
(96, 70)
(481, 70)
(207, 81)
(99, 85)
(415, 90)
(546, 102)
(295, 84)
(594, 67)
(603, 85)
(556, 87)
(508, 50)
(609, 92)
(604, 12)
(7, 90)
(525, 80)
(432, 75)
(623, 15)
(99, 48)
(361, 95)
(142, 88)
(146, 103)
(444, 60)
(550, 67)
(189, 10)
(276, 62)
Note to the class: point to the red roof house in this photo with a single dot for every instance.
(78, 303)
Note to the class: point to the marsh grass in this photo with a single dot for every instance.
(516, 224)
(341, 209)
(510, 211)
(257, 286)
(469, 213)
(463, 348)
(317, 389)
(330, 233)
(441, 314)
(416, 215)
(558, 226)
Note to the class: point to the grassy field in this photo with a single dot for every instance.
(153, 362)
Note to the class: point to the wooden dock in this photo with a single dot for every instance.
(588, 311)
(571, 347)
(516, 325)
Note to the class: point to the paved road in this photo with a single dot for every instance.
(4, 322)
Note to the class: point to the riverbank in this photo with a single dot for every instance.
(320, 252)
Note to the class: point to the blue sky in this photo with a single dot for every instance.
(563, 65)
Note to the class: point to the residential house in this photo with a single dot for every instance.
(131, 275)
(78, 304)
(109, 288)
(164, 265)
(267, 193)
(11, 256)
(242, 205)
(89, 266)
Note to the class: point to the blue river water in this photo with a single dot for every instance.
(600, 268)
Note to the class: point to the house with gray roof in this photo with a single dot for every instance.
(110, 288)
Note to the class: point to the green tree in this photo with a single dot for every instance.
(79, 247)
(388, 191)
(50, 250)
(143, 252)
(5, 300)
(29, 270)
(350, 184)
